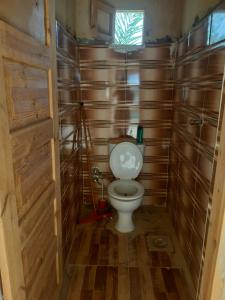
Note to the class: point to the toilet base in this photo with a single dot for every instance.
(124, 223)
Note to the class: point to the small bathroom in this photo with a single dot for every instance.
(113, 136)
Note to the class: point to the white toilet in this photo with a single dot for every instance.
(125, 193)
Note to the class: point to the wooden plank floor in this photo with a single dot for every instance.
(105, 264)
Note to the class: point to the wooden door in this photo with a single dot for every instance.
(30, 238)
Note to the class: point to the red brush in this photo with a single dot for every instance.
(102, 205)
(103, 211)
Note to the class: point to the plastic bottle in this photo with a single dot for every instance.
(140, 135)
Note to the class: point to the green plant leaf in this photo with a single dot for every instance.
(129, 28)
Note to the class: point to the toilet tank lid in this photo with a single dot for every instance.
(126, 161)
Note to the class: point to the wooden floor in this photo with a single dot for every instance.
(105, 264)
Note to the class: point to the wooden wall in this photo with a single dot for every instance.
(195, 139)
(121, 91)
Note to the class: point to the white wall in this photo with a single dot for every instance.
(163, 17)
(65, 13)
(192, 8)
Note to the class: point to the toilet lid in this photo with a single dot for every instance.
(126, 161)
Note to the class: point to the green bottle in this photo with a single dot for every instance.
(140, 135)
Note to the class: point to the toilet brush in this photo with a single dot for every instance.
(103, 209)
(102, 204)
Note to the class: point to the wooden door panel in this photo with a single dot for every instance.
(40, 242)
(27, 93)
(45, 280)
(33, 169)
(29, 16)
(28, 109)
(32, 177)
(33, 219)
(45, 286)
(33, 174)
(23, 48)
(29, 138)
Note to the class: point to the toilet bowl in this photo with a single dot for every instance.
(125, 193)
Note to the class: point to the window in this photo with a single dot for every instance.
(218, 27)
(129, 26)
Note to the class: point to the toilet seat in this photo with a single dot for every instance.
(126, 161)
(125, 190)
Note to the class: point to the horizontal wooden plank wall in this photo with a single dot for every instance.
(69, 132)
(121, 91)
(198, 110)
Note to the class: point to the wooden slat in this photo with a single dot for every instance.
(10, 255)
(27, 93)
(26, 140)
(32, 177)
(44, 277)
(54, 113)
(34, 218)
(121, 283)
(23, 48)
(105, 264)
(36, 250)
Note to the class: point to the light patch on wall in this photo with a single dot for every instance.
(103, 21)
(133, 78)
